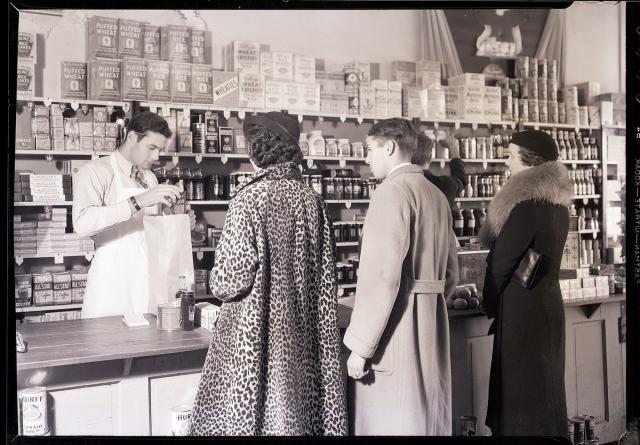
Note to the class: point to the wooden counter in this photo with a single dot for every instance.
(101, 339)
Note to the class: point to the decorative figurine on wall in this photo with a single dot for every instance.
(501, 35)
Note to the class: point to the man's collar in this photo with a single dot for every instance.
(125, 164)
(405, 167)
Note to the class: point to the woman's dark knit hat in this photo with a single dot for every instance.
(537, 141)
(284, 125)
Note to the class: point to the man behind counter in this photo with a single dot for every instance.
(110, 197)
(451, 185)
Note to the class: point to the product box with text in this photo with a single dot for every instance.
(102, 37)
(130, 38)
(134, 79)
(158, 81)
(73, 80)
(151, 42)
(175, 43)
(180, 83)
(226, 91)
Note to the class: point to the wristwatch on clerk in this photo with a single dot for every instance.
(134, 203)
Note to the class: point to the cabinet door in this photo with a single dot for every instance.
(85, 411)
(167, 392)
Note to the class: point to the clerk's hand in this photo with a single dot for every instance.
(160, 194)
(454, 149)
(355, 366)
(192, 218)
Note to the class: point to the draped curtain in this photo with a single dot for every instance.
(436, 42)
(552, 44)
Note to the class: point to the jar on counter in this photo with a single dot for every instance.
(328, 189)
(344, 148)
(316, 144)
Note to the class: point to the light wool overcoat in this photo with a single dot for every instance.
(408, 266)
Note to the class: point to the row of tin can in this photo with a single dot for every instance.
(347, 231)
(582, 430)
(341, 187)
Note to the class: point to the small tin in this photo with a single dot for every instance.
(180, 420)
(346, 232)
(187, 310)
(571, 427)
(169, 316)
(348, 188)
(579, 435)
(340, 273)
(589, 427)
(316, 183)
(468, 425)
(339, 188)
(337, 232)
(357, 188)
(353, 232)
(33, 411)
(199, 144)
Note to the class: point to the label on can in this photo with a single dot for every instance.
(180, 420)
(33, 411)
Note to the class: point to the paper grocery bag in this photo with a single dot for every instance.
(168, 239)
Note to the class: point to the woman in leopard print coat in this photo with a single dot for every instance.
(273, 365)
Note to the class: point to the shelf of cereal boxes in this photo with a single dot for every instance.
(75, 103)
(242, 112)
(538, 125)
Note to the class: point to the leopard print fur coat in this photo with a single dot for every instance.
(273, 365)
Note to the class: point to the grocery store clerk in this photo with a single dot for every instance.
(110, 197)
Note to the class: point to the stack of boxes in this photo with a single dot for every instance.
(201, 277)
(45, 233)
(470, 92)
(26, 63)
(53, 316)
(577, 284)
(613, 108)
(47, 288)
(42, 188)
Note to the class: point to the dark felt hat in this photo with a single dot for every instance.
(537, 141)
(284, 125)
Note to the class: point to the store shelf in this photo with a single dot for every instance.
(614, 127)
(43, 204)
(347, 201)
(471, 161)
(586, 196)
(347, 243)
(471, 252)
(203, 249)
(62, 153)
(465, 238)
(562, 126)
(55, 307)
(99, 103)
(347, 286)
(336, 158)
(59, 257)
(478, 199)
(208, 203)
(581, 161)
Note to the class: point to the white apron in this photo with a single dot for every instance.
(117, 281)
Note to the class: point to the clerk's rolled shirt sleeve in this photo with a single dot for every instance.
(91, 215)
(385, 243)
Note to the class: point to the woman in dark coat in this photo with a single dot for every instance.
(273, 366)
(526, 389)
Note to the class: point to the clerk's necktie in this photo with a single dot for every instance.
(136, 174)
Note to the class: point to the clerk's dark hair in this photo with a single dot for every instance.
(148, 121)
(423, 150)
(267, 148)
(399, 130)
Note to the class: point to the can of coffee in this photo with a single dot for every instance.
(571, 427)
(579, 435)
(180, 420)
(33, 411)
(589, 427)
(187, 310)
(169, 316)
(198, 131)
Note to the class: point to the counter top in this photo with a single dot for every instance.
(73, 342)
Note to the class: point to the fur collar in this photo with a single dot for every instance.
(547, 183)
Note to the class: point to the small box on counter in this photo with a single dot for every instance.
(206, 315)
(588, 282)
(602, 291)
(589, 292)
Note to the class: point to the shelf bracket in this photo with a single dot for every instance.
(442, 163)
(126, 366)
(74, 105)
(347, 204)
(19, 260)
(198, 158)
(224, 159)
(241, 114)
(309, 163)
(199, 255)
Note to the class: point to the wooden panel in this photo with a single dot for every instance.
(591, 369)
(479, 352)
(133, 418)
(167, 392)
(83, 411)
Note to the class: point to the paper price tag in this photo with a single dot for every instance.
(175, 159)
(309, 163)
(47, 101)
(474, 125)
(456, 125)
(74, 105)
(58, 258)
(342, 161)
(359, 119)
(340, 292)
(126, 107)
(241, 114)
(19, 260)
(442, 163)
(224, 158)
(226, 113)
(198, 158)
(300, 117)
(435, 125)
(343, 118)
(347, 204)
(199, 255)
(49, 158)
(484, 164)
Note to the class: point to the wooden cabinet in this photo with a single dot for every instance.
(167, 392)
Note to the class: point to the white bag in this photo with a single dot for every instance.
(168, 239)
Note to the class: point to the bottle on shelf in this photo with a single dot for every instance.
(481, 218)
(469, 191)
(597, 256)
(588, 148)
(573, 145)
(564, 154)
(574, 183)
(316, 143)
(554, 136)
(594, 148)
(473, 148)
(458, 220)
(596, 218)
(572, 210)
(499, 148)
(582, 155)
(469, 224)
(304, 144)
(581, 218)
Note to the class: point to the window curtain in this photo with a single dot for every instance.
(436, 42)
(552, 42)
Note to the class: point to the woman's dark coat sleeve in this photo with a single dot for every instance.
(509, 248)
